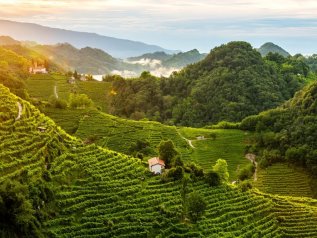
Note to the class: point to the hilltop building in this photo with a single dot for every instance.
(37, 69)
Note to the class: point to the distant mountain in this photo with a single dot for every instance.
(7, 40)
(161, 55)
(85, 60)
(178, 60)
(46, 35)
(270, 47)
(181, 60)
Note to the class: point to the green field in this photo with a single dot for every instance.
(119, 134)
(41, 86)
(102, 193)
(228, 144)
(283, 179)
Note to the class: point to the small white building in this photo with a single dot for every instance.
(200, 137)
(156, 165)
(37, 70)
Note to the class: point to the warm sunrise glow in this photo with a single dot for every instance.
(182, 22)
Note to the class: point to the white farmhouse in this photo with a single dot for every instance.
(156, 165)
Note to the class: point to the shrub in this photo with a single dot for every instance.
(221, 167)
(176, 173)
(195, 171)
(196, 206)
(246, 172)
(245, 186)
(212, 178)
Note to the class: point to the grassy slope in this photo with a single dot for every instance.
(228, 145)
(42, 87)
(119, 134)
(101, 193)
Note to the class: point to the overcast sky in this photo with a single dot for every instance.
(179, 24)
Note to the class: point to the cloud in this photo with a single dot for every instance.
(177, 24)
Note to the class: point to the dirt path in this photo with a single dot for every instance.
(251, 157)
(55, 92)
(188, 141)
(20, 111)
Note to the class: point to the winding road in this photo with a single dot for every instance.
(188, 141)
(55, 92)
(19, 112)
(251, 157)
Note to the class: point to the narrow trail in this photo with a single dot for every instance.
(55, 92)
(20, 111)
(188, 141)
(251, 157)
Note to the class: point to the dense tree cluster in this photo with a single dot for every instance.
(13, 71)
(232, 82)
(288, 132)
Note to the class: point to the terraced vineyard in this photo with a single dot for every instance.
(23, 146)
(282, 179)
(68, 119)
(102, 193)
(41, 86)
(119, 134)
(227, 144)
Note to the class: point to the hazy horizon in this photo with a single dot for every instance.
(179, 25)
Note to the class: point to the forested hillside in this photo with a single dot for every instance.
(60, 188)
(288, 133)
(232, 82)
(13, 69)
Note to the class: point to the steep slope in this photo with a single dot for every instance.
(290, 129)
(270, 47)
(13, 69)
(233, 81)
(46, 35)
(100, 193)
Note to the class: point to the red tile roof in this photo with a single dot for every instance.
(156, 160)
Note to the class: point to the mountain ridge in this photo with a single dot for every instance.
(117, 47)
(273, 48)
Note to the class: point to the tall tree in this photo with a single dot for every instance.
(167, 152)
(196, 206)
(221, 167)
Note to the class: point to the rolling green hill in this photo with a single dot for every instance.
(233, 81)
(289, 131)
(102, 193)
(122, 134)
(42, 87)
(13, 69)
(287, 134)
(218, 143)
